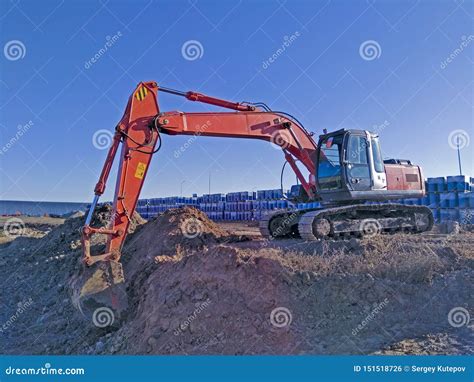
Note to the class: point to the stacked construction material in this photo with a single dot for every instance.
(450, 198)
(242, 205)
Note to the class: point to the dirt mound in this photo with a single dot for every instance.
(37, 312)
(73, 214)
(452, 342)
(195, 290)
(184, 227)
(195, 296)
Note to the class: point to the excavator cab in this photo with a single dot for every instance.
(349, 166)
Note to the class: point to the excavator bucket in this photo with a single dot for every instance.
(98, 289)
(99, 293)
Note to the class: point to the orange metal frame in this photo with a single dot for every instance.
(138, 132)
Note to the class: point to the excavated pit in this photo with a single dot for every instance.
(195, 288)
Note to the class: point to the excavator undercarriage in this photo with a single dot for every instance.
(342, 222)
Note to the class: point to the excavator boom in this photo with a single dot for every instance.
(138, 132)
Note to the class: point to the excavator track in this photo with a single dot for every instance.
(280, 223)
(346, 221)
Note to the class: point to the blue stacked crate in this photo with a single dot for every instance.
(244, 196)
(233, 205)
(465, 188)
(458, 183)
(435, 188)
(294, 191)
(232, 196)
(450, 198)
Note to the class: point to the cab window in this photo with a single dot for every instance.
(377, 155)
(357, 159)
(329, 163)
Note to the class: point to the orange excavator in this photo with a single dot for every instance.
(346, 173)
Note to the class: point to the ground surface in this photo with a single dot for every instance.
(195, 287)
(30, 226)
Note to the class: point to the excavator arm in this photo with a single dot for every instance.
(138, 134)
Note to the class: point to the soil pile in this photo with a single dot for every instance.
(37, 315)
(226, 299)
(196, 289)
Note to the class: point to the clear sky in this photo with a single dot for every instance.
(403, 67)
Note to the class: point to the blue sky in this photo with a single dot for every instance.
(414, 83)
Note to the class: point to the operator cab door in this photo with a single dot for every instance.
(330, 174)
(357, 162)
